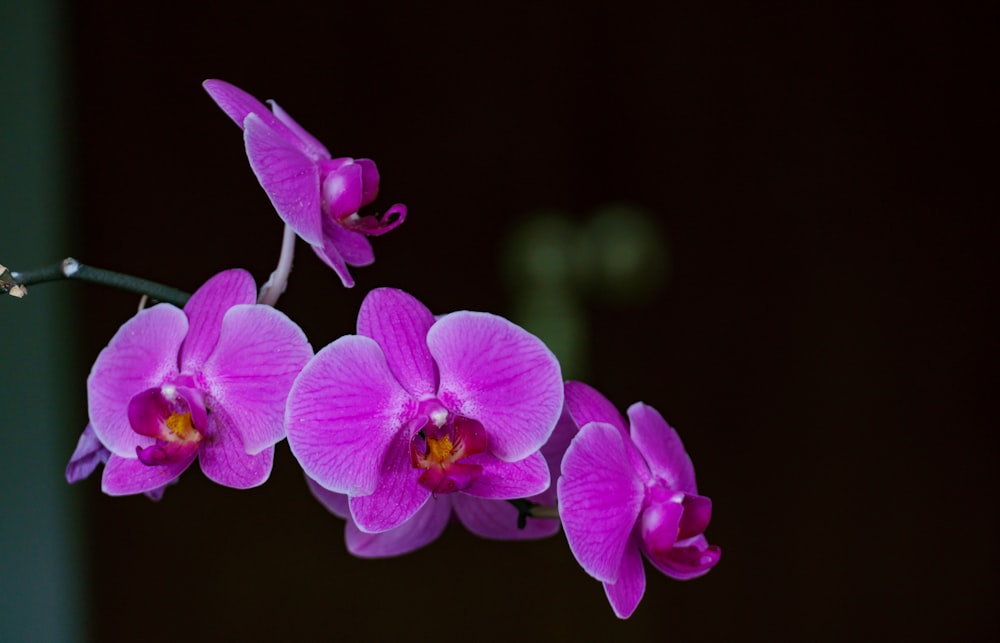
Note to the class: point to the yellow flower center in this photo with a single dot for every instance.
(180, 425)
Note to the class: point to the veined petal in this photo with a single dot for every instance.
(328, 253)
(688, 559)
(238, 104)
(141, 355)
(127, 476)
(399, 323)
(503, 480)
(335, 503)
(494, 371)
(585, 404)
(289, 177)
(398, 495)
(224, 461)
(344, 410)
(662, 448)
(600, 497)
(88, 454)
(354, 247)
(420, 530)
(259, 354)
(625, 594)
(311, 146)
(497, 519)
(205, 310)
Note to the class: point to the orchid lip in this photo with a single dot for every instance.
(440, 445)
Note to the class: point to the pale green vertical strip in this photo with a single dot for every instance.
(41, 405)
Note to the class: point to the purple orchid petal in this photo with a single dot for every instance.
(236, 103)
(502, 480)
(625, 594)
(335, 503)
(688, 559)
(369, 180)
(497, 519)
(329, 254)
(494, 371)
(141, 355)
(127, 476)
(600, 497)
(397, 496)
(585, 404)
(420, 530)
(148, 412)
(355, 249)
(224, 461)
(662, 448)
(88, 454)
(660, 525)
(311, 146)
(399, 323)
(343, 412)
(205, 310)
(697, 515)
(342, 191)
(259, 354)
(289, 177)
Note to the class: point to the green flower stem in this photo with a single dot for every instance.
(527, 509)
(70, 268)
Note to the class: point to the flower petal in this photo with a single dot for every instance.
(205, 311)
(662, 448)
(335, 503)
(88, 454)
(259, 354)
(585, 404)
(289, 177)
(342, 190)
(328, 253)
(127, 476)
(600, 497)
(370, 180)
(238, 104)
(398, 495)
(399, 323)
(688, 559)
(141, 355)
(494, 371)
(224, 461)
(344, 410)
(503, 480)
(625, 594)
(311, 146)
(420, 530)
(354, 247)
(497, 519)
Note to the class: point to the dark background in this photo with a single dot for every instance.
(824, 342)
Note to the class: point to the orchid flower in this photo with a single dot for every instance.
(315, 195)
(208, 382)
(413, 409)
(626, 490)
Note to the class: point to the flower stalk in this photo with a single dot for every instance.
(70, 268)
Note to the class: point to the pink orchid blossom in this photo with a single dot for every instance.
(415, 410)
(315, 195)
(626, 490)
(485, 517)
(208, 382)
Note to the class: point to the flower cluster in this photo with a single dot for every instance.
(416, 421)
